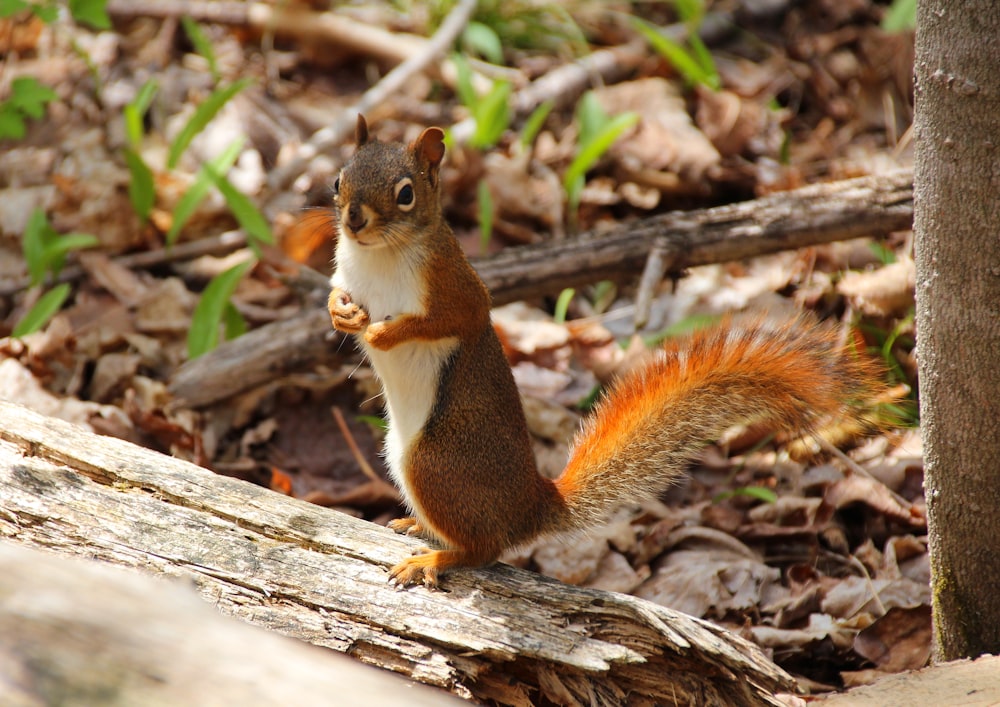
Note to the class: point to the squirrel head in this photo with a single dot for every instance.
(388, 194)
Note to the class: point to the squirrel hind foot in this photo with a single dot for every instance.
(426, 567)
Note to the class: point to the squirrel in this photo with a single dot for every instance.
(457, 443)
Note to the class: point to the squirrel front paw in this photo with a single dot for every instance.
(347, 316)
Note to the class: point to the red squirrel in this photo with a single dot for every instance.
(458, 445)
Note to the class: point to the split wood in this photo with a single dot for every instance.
(497, 634)
(822, 213)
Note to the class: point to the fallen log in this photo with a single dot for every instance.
(84, 633)
(820, 213)
(497, 634)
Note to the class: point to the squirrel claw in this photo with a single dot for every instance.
(419, 569)
(406, 526)
(346, 315)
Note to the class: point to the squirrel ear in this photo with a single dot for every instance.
(361, 131)
(430, 146)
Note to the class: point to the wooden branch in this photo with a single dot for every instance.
(78, 629)
(821, 213)
(343, 123)
(287, 19)
(497, 634)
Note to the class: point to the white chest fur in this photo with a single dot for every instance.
(389, 284)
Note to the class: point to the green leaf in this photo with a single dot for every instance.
(36, 237)
(463, 81)
(250, 219)
(593, 150)
(135, 112)
(901, 16)
(690, 11)
(688, 67)
(562, 305)
(30, 97)
(533, 125)
(759, 492)
(374, 421)
(706, 62)
(234, 323)
(201, 44)
(492, 116)
(591, 117)
(47, 13)
(481, 39)
(203, 115)
(57, 248)
(485, 202)
(141, 188)
(12, 7)
(45, 308)
(188, 203)
(11, 123)
(90, 12)
(203, 336)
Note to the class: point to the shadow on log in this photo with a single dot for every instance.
(499, 634)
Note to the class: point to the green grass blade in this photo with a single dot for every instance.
(562, 305)
(492, 116)
(250, 219)
(201, 44)
(203, 336)
(135, 112)
(188, 203)
(596, 147)
(533, 125)
(33, 242)
(203, 115)
(674, 53)
(141, 188)
(45, 308)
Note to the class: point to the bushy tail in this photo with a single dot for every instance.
(641, 436)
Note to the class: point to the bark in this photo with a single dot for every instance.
(957, 236)
(821, 213)
(76, 632)
(497, 634)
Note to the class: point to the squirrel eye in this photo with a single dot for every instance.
(404, 194)
(336, 185)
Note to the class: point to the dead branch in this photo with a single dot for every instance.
(343, 124)
(497, 634)
(821, 213)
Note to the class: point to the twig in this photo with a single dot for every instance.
(858, 469)
(344, 123)
(652, 276)
(214, 245)
(288, 20)
(352, 445)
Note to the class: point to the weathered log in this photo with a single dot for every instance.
(77, 632)
(821, 213)
(498, 634)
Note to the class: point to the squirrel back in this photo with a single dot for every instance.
(457, 443)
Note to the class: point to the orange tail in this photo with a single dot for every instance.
(641, 436)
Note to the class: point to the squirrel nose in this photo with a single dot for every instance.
(356, 218)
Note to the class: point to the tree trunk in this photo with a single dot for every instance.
(957, 228)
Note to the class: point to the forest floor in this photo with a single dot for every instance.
(163, 191)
